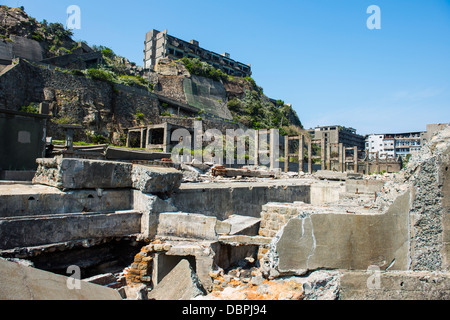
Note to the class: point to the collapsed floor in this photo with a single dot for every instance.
(159, 233)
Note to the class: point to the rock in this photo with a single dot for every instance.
(181, 283)
(20, 282)
(136, 292)
(150, 179)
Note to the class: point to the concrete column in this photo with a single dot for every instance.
(274, 148)
(166, 140)
(377, 162)
(142, 138)
(69, 140)
(367, 162)
(128, 139)
(309, 157)
(286, 153)
(341, 157)
(148, 138)
(322, 153)
(355, 159)
(256, 147)
(301, 143)
(328, 156)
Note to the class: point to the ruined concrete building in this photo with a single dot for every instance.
(312, 236)
(162, 45)
(335, 134)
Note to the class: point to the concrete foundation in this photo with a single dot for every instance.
(225, 199)
(47, 229)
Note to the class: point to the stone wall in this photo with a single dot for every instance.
(101, 107)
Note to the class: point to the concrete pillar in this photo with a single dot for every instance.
(128, 139)
(355, 159)
(378, 162)
(367, 162)
(256, 147)
(286, 153)
(309, 157)
(167, 137)
(341, 157)
(301, 143)
(328, 156)
(322, 153)
(148, 138)
(142, 138)
(69, 140)
(274, 148)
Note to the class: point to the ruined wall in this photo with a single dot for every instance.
(101, 107)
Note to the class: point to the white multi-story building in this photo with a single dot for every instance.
(374, 145)
(394, 145)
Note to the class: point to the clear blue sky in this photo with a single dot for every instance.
(317, 55)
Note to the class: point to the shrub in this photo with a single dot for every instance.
(139, 115)
(33, 107)
(98, 74)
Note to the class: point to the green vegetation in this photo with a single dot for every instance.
(33, 107)
(139, 115)
(256, 111)
(64, 120)
(100, 74)
(166, 114)
(203, 69)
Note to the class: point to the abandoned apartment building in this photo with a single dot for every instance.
(139, 227)
(159, 44)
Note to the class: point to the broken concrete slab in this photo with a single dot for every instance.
(376, 285)
(231, 172)
(66, 173)
(28, 200)
(114, 153)
(26, 283)
(48, 229)
(332, 238)
(101, 279)
(243, 225)
(334, 175)
(245, 240)
(151, 206)
(152, 179)
(190, 225)
(180, 284)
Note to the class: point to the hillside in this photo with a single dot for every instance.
(94, 92)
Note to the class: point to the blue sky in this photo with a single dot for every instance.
(317, 55)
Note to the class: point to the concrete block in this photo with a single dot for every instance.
(150, 179)
(29, 200)
(151, 206)
(179, 284)
(243, 225)
(25, 283)
(66, 173)
(47, 229)
(340, 240)
(187, 225)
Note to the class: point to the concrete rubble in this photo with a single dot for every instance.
(210, 232)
